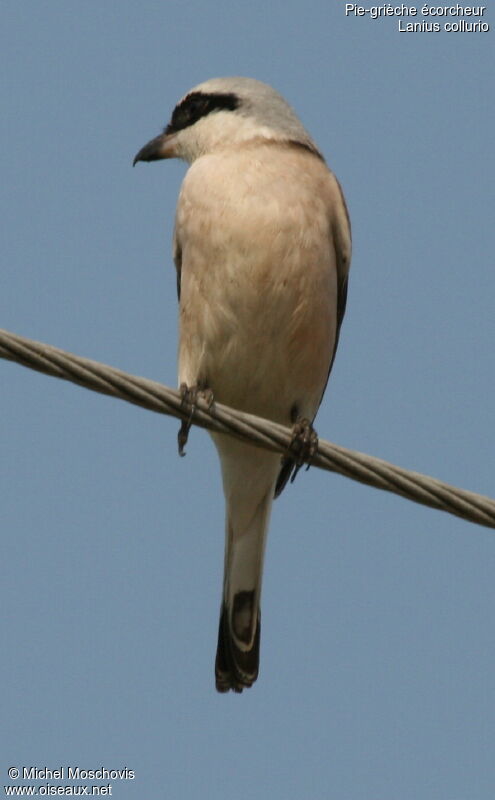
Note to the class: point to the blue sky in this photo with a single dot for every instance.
(377, 677)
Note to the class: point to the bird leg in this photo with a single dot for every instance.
(303, 445)
(189, 398)
(302, 448)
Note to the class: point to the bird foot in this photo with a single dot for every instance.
(189, 399)
(303, 445)
(302, 449)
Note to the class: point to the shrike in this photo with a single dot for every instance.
(262, 248)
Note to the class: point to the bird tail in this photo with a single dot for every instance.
(237, 668)
(249, 476)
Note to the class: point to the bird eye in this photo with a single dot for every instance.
(188, 112)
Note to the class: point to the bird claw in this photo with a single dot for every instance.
(303, 446)
(189, 398)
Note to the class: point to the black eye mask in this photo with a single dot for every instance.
(196, 105)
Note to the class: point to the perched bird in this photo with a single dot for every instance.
(262, 248)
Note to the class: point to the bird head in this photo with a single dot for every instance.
(225, 113)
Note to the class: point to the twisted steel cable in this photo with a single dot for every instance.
(157, 397)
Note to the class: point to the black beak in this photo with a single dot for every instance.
(161, 146)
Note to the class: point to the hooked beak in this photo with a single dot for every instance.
(162, 146)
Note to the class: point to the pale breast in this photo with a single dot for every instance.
(258, 279)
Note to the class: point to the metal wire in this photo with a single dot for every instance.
(261, 432)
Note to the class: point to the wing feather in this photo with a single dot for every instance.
(342, 242)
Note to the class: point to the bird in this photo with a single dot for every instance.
(262, 249)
